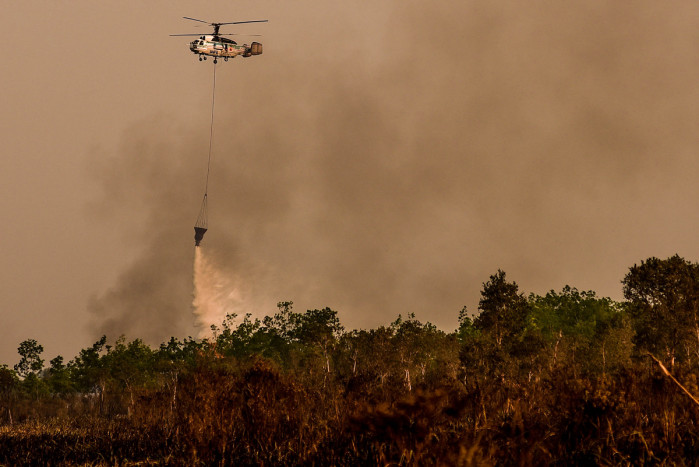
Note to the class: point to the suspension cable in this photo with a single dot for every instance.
(211, 133)
(202, 219)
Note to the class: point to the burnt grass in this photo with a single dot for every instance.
(230, 412)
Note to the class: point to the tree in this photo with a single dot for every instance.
(316, 326)
(419, 347)
(8, 386)
(288, 336)
(318, 330)
(481, 358)
(31, 361)
(663, 300)
(283, 321)
(274, 336)
(58, 377)
(130, 365)
(238, 340)
(503, 309)
(88, 370)
(466, 329)
(579, 323)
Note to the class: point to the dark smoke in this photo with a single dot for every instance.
(554, 141)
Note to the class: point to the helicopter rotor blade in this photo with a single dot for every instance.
(243, 22)
(194, 19)
(234, 34)
(225, 34)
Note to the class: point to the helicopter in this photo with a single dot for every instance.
(213, 45)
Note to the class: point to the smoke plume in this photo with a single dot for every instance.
(393, 161)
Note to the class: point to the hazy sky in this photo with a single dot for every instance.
(379, 158)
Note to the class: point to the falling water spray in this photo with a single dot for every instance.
(215, 294)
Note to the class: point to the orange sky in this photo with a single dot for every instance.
(378, 158)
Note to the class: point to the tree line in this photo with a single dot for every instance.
(406, 392)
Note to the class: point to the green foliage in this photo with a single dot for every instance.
(34, 386)
(88, 371)
(493, 344)
(316, 326)
(466, 328)
(663, 300)
(481, 358)
(129, 365)
(576, 327)
(503, 309)
(8, 380)
(31, 361)
(58, 378)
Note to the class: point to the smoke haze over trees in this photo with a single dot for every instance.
(390, 169)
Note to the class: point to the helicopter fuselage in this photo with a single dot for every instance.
(220, 47)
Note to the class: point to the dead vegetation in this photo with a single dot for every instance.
(565, 379)
(230, 412)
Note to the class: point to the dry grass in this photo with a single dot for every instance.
(232, 413)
